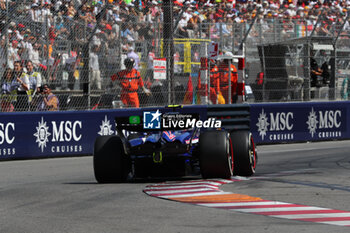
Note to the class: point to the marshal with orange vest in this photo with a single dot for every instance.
(229, 79)
(130, 81)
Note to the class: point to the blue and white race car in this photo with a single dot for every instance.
(177, 148)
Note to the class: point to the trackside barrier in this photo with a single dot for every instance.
(300, 122)
(72, 133)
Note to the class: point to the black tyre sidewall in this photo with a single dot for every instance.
(243, 145)
(110, 161)
(214, 162)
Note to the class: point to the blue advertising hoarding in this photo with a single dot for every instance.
(51, 134)
(297, 122)
(67, 133)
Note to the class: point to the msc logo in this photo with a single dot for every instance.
(276, 122)
(106, 128)
(151, 120)
(326, 120)
(65, 131)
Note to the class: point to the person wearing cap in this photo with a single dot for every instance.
(130, 81)
(86, 14)
(192, 24)
(223, 74)
(46, 13)
(135, 56)
(35, 13)
(188, 13)
(49, 101)
(20, 32)
(12, 25)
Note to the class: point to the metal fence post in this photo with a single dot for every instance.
(307, 71)
(169, 48)
(47, 54)
(229, 82)
(6, 33)
(221, 36)
(274, 31)
(233, 38)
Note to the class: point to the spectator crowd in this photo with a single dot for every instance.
(38, 31)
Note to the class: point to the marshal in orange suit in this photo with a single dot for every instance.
(130, 80)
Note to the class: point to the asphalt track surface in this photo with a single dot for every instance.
(61, 195)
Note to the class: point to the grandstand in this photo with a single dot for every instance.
(58, 36)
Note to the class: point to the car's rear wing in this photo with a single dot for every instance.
(231, 117)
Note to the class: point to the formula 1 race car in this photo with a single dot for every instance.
(213, 141)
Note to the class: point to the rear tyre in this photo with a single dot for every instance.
(215, 158)
(244, 153)
(111, 165)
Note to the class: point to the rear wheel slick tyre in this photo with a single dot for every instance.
(216, 157)
(111, 165)
(244, 153)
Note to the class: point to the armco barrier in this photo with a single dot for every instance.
(53, 134)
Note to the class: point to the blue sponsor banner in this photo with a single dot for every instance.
(52, 134)
(297, 122)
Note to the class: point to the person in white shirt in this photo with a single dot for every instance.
(33, 55)
(46, 12)
(27, 47)
(182, 27)
(13, 54)
(22, 86)
(95, 67)
(46, 17)
(96, 40)
(188, 14)
(35, 13)
(135, 56)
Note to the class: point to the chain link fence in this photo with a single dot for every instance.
(76, 50)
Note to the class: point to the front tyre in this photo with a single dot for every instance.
(244, 153)
(111, 165)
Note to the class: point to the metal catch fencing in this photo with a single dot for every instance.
(77, 54)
